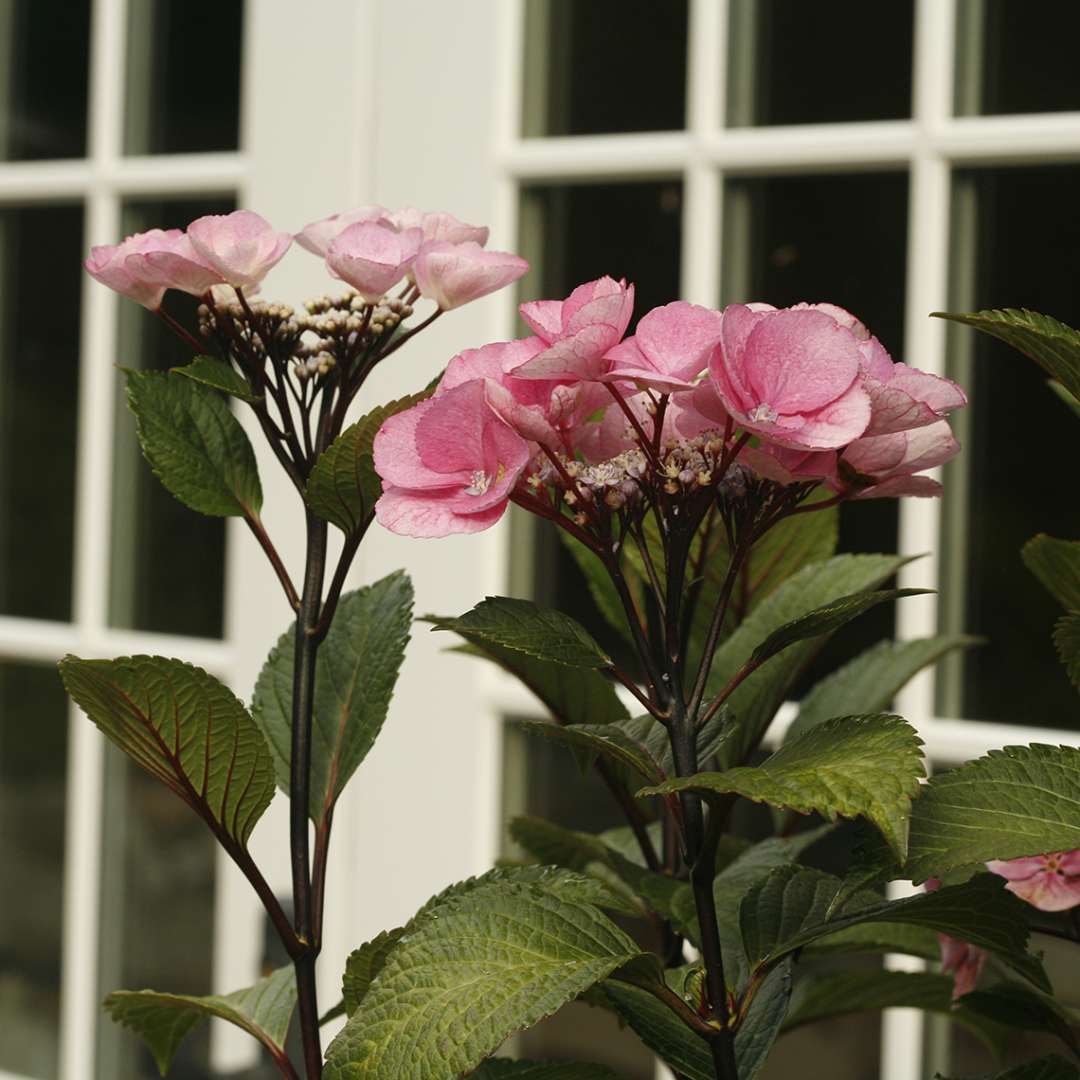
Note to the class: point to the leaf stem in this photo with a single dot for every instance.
(267, 544)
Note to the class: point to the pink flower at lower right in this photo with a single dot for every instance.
(1049, 882)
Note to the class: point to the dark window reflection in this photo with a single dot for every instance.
(168, 561)
(44, 63)
(1017, 56)
(572, 235)
(33, 768)
(172, 108)
(40, 289)
(794, 62)
(840, 239)
(157, 913)
(1018, 433)
(604, 66)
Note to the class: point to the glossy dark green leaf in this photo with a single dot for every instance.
(1056, 563)
(606, 740)
(356, 669)
(186, 729)
(218, 375)
(194, 444)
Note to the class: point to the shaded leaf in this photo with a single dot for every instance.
(755, 701)
(218, 375)
(356, 669)
(194, 444)
(505, 1069)
(869, 683)
(343, 486)
(1021, 800)
(1054, 346)
(163, 1020)
(1067, 640)
(762, 1023)
(473, 970)
(1050, 1067)
(879, 937)
(607, 740)
(1072, 402)
(186, 729)
(543, 633)
(1056, 563)
(601, 587)
(364, 964)
(855, 766)
(1014, 1005)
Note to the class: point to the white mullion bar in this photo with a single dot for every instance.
(991, 140)
(903, 1030)
(588, 157)
(176, 174)
(701, 213)
(79, 982)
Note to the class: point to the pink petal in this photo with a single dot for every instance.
(439, 225)
(1017, 869)
(900, 486)
(423, 516)
(678, 338)
(456, 274)
(837, 424)
(1048, 891)
(449, 435)
(318, 236)
(397, 459)
(488, 362)
(544, 318)
(242, 246)
(580, 356)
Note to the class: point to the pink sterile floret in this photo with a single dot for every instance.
(448, 465)
(888, 464)
(108, 264)
(578, 331)
(242, 246)
(371, 257)
(960, 959)
(439, 225)
(318, 236)
(670, 348)
(454, 274)
(173, 263)
(1049, 882)
(792, 376)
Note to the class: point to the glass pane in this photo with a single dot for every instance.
(33, 766)
(168, 561)
(157, 912)
(810, 238)
(1013, 432)
(44, 63)
(41, 250)
(793, 62)
(1017, 56)
(573, 234)
(604, 66)
(172, 108)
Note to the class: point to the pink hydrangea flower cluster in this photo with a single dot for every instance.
(372, 249)
(801, 395)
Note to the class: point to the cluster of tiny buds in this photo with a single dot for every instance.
(689, 465)
(613, 483)
(350, 313)
(278, 318)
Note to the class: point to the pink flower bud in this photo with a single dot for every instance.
(318, 236)
(372, 258)
(242, 246)
(108, 264)
(455, 274)
(438, 225)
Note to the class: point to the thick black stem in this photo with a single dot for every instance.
(304, 920)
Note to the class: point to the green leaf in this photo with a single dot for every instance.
(760, 1026)
(880, 937)
(505, 1069)
(826, 620)
(854, 766)
(1067, 640)
(356, 669)
(1072, 402)
(481, 964)
(1022, 800)
(162, 1020)
(218, 375)
(790, 908)
(821, 996)
(1050, 1067)
(1016, 1006)
(1056, 563)
(343, 486)
(869, 683)
(543, 633)
(194, 444)
(184, 727)
(364, 964)
(601, 587)
(755, 701)
(1054, 346)
(607, 740)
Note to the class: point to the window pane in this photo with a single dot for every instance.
(168, 561)
(172, 108)
(794, 62)
(573, 234)
(604, 66)
(44, 61)
(33, 765)
(1014, 432)
(1017, 56)
(40, 287)
(157, 912)
(840, 239)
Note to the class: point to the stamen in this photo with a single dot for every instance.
(480, 483)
